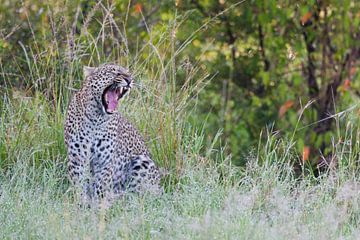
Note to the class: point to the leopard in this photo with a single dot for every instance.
(106, 155)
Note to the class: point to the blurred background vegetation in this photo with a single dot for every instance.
(285, 67)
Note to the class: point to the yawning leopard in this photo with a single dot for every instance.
(106, 154)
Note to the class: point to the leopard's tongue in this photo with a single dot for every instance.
(112, 100)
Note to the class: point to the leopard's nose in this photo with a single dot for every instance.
(128, 82)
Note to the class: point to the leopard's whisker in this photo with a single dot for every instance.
(137, 85)
(147, 91)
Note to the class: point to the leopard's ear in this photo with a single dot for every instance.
(88, 71)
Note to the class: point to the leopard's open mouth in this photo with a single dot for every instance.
(111, 96)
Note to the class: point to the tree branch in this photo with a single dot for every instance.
(262, 48)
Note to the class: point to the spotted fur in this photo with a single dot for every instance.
(106, 154)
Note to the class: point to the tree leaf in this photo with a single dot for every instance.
(138, 8)
(285, 107)
(306, 153)
(305, 19)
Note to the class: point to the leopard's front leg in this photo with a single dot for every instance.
(103, 181)
(79, 176)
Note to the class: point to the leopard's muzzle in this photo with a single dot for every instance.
(111, 96)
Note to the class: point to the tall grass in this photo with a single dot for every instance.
(266, 201)
(33, 116)
(206, 197)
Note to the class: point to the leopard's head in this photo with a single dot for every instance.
(108, 84)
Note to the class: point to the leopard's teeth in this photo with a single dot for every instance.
(106, 99)
(120, 91)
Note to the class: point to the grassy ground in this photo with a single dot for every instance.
(266, 202)
(205, 198)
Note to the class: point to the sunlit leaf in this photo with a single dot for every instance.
(285, 107)
(306, 153)
(138, 8)
(305, 19)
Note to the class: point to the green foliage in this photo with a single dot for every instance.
(265, 53)
(263, 61)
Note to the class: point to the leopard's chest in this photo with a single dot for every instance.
(103, 144)
(111, 140)
(94, 143)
